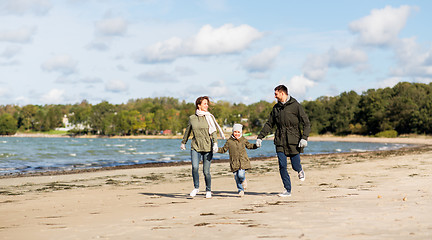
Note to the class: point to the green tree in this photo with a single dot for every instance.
(343, 112)
(101, 118)
(373, 105)
(258, 114)
(319, 115)
(26, 117)
(8, 124)
(128, 122)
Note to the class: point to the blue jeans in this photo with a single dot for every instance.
(283, 164)
(240, 176)
(196, 158)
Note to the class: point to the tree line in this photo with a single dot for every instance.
(403, 109)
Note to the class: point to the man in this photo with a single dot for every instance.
(288, 116)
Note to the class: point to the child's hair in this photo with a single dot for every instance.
(200, 100)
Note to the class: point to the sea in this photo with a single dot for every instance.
(33, 154)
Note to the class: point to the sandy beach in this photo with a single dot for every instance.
(370, 195)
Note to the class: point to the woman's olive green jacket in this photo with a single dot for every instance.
(202, 141)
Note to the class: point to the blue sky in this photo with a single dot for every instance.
(66, 51)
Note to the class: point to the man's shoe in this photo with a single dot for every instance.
(285, 194)
(208, 194)
(194, 192)
(302, 175)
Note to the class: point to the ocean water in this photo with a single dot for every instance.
(22, 155)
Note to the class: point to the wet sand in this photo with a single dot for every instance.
(371, 195)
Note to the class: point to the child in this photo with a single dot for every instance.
(239, 160)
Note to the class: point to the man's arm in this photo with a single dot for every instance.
(268, 126)
(306, 123)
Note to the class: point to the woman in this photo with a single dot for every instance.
(203, 125)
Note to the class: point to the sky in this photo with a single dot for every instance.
(67, 51)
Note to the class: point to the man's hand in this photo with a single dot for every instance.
(183, 146)
(258, 142)
(302, 143)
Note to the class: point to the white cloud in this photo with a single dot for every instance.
(208, 41)
(10, 52)
(341, 58)
(157, 76)
(263, 61)
(298, 85)
(5, 93)
(98, 44)
(116, 86)
(111, 27)
(61, 63)
(316, 67)
(219, 89)
(216, 5)
(54, 96)
(389, 82)
(259, 75)
(382, 26)
(184, 71)
(21, 35)
(105, 32)
(20, 7)
(91, 80)
(414, 61)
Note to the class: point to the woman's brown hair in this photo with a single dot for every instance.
(200, 99)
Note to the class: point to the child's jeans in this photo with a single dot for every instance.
(240, 176)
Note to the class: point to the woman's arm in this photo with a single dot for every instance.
(187, 133)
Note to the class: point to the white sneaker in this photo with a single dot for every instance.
(194, 192)
(208, 194)
(244, 184)
(241, 193)
(302, 175)
(285, 194)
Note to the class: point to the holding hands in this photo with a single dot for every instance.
(183, 146)
(258, 142)
(215, 147)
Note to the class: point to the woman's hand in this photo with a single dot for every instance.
(183, 146)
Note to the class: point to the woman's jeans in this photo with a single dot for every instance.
(240, 177)
(295, 163)
(206, 157)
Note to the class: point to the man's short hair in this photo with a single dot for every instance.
(282, 88)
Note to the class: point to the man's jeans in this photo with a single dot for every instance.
(206, 157)
(240, 176)
(295, 163)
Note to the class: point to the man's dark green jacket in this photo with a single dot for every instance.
(292, 124)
